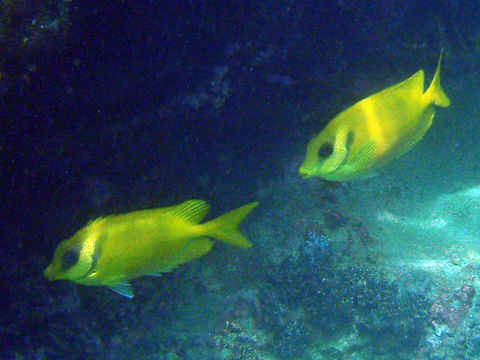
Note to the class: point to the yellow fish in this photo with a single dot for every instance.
(110, 251)
(374, 131)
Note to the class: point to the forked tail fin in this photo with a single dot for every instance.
(435, 93)
(225, 227)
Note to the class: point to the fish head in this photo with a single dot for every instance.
(318, 160)
(73, 258)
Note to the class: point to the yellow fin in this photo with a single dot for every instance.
(98, 221)
(193, 211)
(224, 228)
(194, 249)
(163, 269)
(435, 93)
(123, 289)
(420, 133)
(364, 154)
(415, 82)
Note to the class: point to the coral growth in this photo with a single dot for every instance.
(449, 311)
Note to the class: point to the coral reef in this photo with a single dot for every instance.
(450, 332)
(187, 108)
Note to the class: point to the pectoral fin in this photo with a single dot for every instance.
(365, 154)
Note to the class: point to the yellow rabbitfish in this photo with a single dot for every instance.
(374, 131)
(110, 251)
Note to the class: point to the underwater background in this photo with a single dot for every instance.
(113, 106)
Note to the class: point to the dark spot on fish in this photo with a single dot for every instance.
(69, 259)
(325, 150)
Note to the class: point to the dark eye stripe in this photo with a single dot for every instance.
(325, 150)
(69, 259)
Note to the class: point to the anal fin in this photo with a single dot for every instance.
(155, 275)
(165, 268)
(421, 130)
(123, 289)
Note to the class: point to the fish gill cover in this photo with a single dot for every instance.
(110, 107)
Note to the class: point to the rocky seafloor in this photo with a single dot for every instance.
(316, 285)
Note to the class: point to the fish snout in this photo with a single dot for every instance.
(49, 273)
(304, 172)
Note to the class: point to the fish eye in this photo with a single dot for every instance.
(69, 259)
(325, 150)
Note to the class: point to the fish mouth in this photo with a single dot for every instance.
(49, 274)
(305, 173)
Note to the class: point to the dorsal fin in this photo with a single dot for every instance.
(416, 82)
(191, 210)
(97, 222)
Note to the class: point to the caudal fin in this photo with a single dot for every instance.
(435, 93)
(225, 227)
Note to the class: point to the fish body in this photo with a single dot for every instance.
(374, 131)
(110, 251)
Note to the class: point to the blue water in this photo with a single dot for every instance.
(110, 107)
